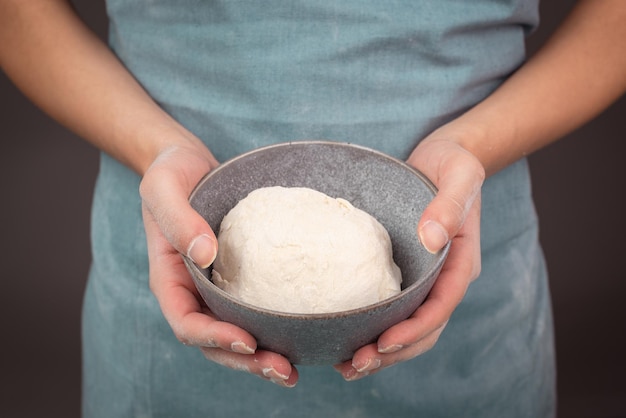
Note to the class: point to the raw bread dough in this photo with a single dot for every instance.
(298, 250)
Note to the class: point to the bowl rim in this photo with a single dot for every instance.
(441, 255)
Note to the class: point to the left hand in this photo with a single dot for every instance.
(454, 214)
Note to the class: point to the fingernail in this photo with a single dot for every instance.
(272, 373)
(283, 383)
(433, 236)
(353, 374)
(287, 384)
(202, 250)
(241, 348)
(370, 364)
(350, 374)
(390, 349)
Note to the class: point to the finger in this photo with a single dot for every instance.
(264, 364)
(459, 177)
(461, 267)
(180, 303)
(368, 360)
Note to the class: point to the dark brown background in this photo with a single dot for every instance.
(46, 181)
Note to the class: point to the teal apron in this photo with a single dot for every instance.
(243, 74)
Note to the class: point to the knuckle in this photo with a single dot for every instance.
(475, 271)
(479, 171)
(144, 186)
(181, 334)
(183, 340)
(475, 267)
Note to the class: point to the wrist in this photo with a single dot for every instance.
(151, 140)
(486, 134)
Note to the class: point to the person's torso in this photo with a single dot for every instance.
(242, 74)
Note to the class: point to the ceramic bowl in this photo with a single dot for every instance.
(384, 187)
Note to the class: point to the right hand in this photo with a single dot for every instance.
(174, 227)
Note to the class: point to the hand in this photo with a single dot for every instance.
(453, 214)
(173, 227)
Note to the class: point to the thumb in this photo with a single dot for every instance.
(459, 180)
(203, 250)
(165, 198)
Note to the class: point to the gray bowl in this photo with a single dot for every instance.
(386, 188)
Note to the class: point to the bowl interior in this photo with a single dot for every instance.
(391, 191)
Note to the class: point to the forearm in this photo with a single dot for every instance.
(575, 76)
(69, 73)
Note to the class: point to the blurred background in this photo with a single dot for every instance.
(46, 181)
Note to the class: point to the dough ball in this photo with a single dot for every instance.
(298, 250)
